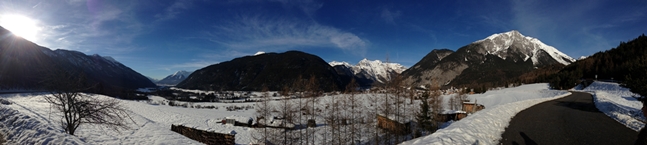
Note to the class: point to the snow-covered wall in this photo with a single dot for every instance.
(486, 126)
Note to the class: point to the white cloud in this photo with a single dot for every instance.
(86, 26)
(253, 33)
(389, 17)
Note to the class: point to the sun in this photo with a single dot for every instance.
(20, 25)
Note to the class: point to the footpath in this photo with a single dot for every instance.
(573, 119)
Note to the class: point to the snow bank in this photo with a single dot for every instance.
(25, 129)
(29, 120)
(486, 126)
(617, 102)
(493, 98)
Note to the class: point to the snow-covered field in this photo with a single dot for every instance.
(29, 120)
(618, 103)
(487, 125)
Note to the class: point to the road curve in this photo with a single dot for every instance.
(573, 119)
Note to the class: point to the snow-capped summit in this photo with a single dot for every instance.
(504, 56)
(174, 78)
(259, 53)
(335, 63)
(502, 44)
(375, 70)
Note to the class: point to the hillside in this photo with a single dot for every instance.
(272, 70)
(613, 64)
(25, 65)
(497, 60)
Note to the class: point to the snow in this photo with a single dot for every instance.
(502, 41)
(494, 98)
(378, 70)
(618, 103)
(259, 53)
(152, 123)
(336, 63)
(182, 73)
(153, 119)
(487, 125)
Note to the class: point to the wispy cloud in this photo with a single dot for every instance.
(275, 34)
(172, 11)
(89, 26)
(389, 16)
(309, 7)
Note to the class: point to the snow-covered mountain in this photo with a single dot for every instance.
(494, 61)
(174, 78)
(375, 71)
(505, 44)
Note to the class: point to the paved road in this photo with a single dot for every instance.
(569, 120)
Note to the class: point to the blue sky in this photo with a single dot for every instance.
(157, 38)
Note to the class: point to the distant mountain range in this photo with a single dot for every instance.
(24, 65)
(497, 60)
(494, 61)
(174, 78)
(369, 73)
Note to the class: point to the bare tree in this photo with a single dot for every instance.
(287, 112)
(436, 104)
(314, 91)
(263, 113)
(354, 111)
(76, 107)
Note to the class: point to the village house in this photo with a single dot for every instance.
(401, 127)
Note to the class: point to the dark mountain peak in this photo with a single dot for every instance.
(31, 64)
(429, 61)
(272, 70)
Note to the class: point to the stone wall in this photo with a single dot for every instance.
(207, 137)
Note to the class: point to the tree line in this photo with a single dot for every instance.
(348, 118)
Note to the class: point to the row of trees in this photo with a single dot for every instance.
(347, 118)
(617, 64)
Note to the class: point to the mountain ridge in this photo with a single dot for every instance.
(494, 61)
(31, 64)
(276, 71)
(368, 72)
(174, 79)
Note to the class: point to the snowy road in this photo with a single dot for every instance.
(570, 120)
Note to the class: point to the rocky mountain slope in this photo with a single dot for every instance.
(275, 71)
(25, 65)
(368, 72)
(174, 79)
(493, 61)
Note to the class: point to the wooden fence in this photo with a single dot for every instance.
(207, 137)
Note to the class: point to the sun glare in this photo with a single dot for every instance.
(20, 25)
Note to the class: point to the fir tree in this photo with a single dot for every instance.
(424, 116)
